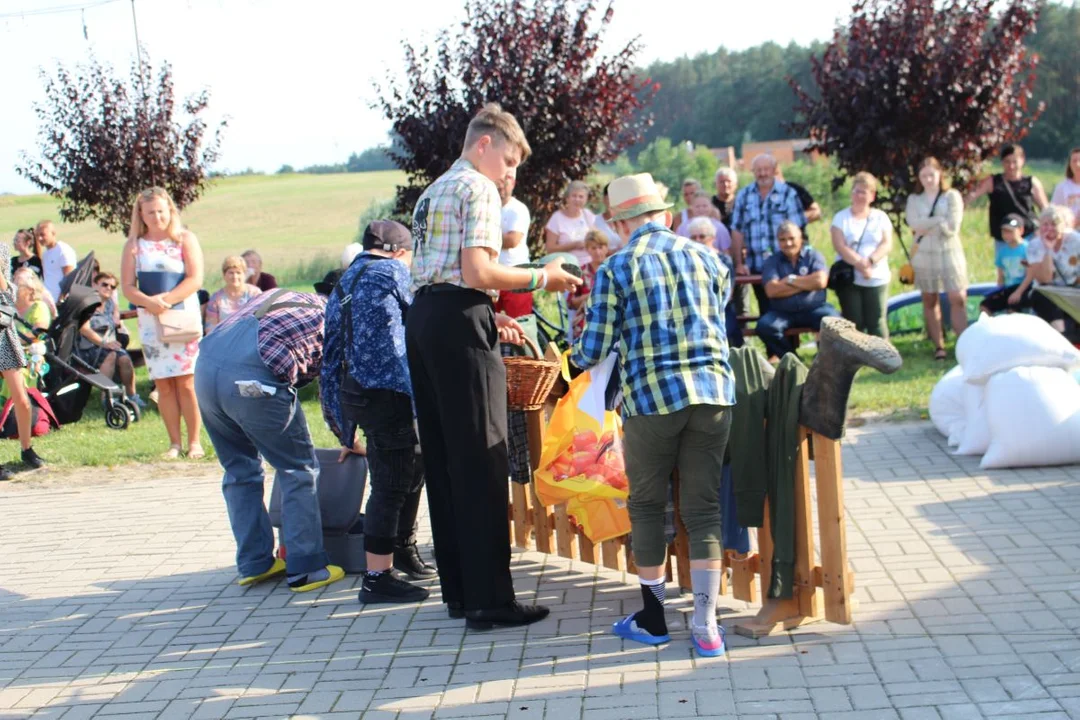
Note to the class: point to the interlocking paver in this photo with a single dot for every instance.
(966, 582)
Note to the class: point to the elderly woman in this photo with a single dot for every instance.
(566, 230)
(1053, 258)
(862, 236)
(99, 343)
(234, 295)
(35, 312)
(934, 215)
(701, 209)
(30, 301)
(703, 230)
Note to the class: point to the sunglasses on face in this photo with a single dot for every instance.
(110, 286)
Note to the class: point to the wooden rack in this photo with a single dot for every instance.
(822, 589)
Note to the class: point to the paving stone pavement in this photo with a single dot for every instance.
(119, 601)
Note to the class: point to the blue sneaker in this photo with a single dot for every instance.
(706, 643)
(628, 629)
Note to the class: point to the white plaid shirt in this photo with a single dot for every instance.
(461, 209)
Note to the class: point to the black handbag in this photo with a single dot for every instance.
(842, 273)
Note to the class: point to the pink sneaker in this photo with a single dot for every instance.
(709, 641)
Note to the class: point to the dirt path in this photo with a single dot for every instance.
(49, 477)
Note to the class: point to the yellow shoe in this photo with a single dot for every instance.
(336, 574)
(276, 569)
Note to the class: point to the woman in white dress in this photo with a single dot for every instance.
(161, 269)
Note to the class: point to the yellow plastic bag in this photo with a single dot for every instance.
(581, 463)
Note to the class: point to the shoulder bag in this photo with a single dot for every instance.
(842, 273)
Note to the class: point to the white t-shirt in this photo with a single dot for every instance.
(573, 229)
(1067, 193)
(53, 262)
(875, 225)
(515, 218)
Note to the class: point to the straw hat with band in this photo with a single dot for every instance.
(634, 195)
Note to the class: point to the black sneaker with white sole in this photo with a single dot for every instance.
(385, 588)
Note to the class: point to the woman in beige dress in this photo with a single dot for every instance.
(934, 214)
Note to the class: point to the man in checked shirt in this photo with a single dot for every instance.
(246, 379)
(659, 303)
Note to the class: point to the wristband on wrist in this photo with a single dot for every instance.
(533, 277)
(542, 283)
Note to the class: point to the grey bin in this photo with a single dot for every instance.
(341, 491)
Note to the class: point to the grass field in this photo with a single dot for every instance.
(300, 223)
(294, 221)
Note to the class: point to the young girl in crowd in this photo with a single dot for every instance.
(596, 244)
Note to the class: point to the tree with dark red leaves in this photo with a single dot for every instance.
(102, 141)
(912, 78)
(541, 61)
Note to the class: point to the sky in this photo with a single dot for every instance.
(294, 77)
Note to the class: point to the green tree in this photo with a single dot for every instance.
(1057, 43)
(671, 163)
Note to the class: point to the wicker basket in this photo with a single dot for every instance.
(529, 380)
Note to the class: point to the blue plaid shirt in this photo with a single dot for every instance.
(661, 300)
(758, 219)
(376, 358)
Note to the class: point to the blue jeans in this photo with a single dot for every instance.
(242, 429)
(771, 326)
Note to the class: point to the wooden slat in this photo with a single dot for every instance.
(609, 549)
(809, 597)
(833, 533)
(765, 553)
(534, 423)
(631, 566)
(519, 512)
(743, 574)
(564, 535)
(586, 549)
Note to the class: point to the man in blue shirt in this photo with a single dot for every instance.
(365, 384)
(794, 279)
(759, 210)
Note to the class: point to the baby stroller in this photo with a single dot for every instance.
(70, 379)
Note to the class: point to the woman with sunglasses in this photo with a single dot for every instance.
(100, 341)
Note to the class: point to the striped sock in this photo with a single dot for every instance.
(651, 617)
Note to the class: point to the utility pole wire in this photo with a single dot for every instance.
(55, 10)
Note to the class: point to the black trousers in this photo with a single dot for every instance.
(459, 387)
(397, 469)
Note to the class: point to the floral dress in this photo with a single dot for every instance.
(11, 352)
(164, 360)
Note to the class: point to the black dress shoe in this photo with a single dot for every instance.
(513, 614)
(407, 559)
(455, 610)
